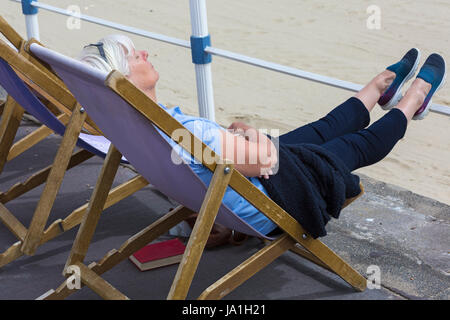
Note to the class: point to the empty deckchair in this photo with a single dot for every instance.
(113, 102)
(14, 70)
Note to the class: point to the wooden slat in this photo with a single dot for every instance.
(43, 66)
(95, 208)
(201, 231)
(54, 180)
(11, 222)
(248, 268)
(2, 107)
(32, 139)
(11, 254)
(40, 177)
(50, 106)
(307, 255)
(10, 33)
(9, 125)
(28, 141)
(334, 262)
(9, 107)
(99, 285)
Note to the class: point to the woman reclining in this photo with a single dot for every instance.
(306, 171)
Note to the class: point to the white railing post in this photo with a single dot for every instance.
(31, 19)
(202, 60)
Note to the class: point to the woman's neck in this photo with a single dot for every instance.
(151, 93)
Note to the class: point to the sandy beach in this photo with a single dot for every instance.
(325, 37)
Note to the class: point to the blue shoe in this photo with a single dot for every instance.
(434, 72)
(404, 70)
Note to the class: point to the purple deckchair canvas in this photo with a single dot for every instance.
(135, 136)
(17, 89)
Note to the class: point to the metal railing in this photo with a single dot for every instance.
(203, 72)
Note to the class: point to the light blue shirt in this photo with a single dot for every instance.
(209, 132)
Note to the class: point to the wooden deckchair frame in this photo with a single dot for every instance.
(61, 102)
(224, 175)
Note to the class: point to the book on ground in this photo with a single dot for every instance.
(158, 254)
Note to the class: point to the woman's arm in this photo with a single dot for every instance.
(252, 152)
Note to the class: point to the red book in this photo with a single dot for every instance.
(158, 254)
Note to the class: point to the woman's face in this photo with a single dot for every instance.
(142, 73)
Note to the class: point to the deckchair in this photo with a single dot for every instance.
(114, 102)
(16, 70)
(11, 120)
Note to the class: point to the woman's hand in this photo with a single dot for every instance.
(238, 125)
(253, 153)
(244, 130)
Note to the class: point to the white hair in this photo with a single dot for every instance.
(117, 48)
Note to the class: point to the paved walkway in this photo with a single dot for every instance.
(405, 235)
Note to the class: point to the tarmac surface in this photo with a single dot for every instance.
(404, 235)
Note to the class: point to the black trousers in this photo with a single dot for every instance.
(343, 131)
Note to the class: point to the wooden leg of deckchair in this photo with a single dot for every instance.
(41, 176)
(59, 226)
(11, 254)
(261, 259)
(12, 223)
(10, 33)
(321, 255)
(201, 231)
(9, 125)
(136, 242)
(334, 262)
(33, 138)
(55, 177)
(9, 107)
(308, 255)
(298, 250)
(248, 268)
(2, 107)
(95, 208)
(98, 284)
(28, 141)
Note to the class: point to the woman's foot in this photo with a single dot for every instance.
(385, 88)
(414, 98)
(404, 70)
(433, 72)
(372, 91)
